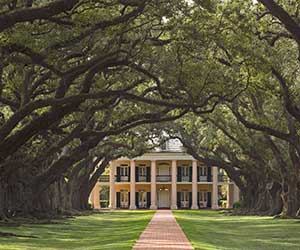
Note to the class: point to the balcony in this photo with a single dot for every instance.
(184, 178)
(142, 178)
(122, 178)
(104, 178)
(163, 178)
(203, 178)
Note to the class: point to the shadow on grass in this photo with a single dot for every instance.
(109, 230)
(210, 230)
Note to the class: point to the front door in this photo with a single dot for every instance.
(164, 199)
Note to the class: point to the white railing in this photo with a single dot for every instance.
(163, 178)
(142, 178)
(185, 178)
(203, 178)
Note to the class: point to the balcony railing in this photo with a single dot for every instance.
(122, 178)
(184, 179)
(142, 179)
(202, 178)
(104, 178)
(163, 178)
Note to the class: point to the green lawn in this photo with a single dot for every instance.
(117, 230)
(210, 230)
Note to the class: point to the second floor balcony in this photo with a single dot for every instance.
(143, 178)
(122, 178)
(163, 178)
(205, 178)
(144, 175)
(184, 178)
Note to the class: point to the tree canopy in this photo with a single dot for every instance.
(85, 82)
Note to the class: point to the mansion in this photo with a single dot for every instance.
(164, 179)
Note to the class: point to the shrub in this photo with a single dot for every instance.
(104, 203)
(237, 205)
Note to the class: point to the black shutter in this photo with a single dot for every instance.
(137, 174)
(178, 199)
(198, 174)
(129, 170)
(208, 199)
(179, 174)
(198, 199)
(191, 173)
(209, 179)
(148, 199)
(137, 199)
(190, 199)
(118, 174)
(148, 174)
(118, 199)
(128, 199)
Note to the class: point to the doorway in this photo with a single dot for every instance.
(164, 199)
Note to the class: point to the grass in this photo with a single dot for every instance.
(211, 230)
(111, 230)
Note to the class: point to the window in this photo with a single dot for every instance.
(124, 170)
(142, 171)
(185, 171)
(184, 196)
(203, 171)
(203, 196)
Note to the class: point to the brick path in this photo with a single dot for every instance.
(163, 232)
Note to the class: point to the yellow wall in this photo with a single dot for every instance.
(138, 187)
(168, 186)
(184, 162)
(120, 187)
(184, 187)
(145, 187)
(205, 187)
(122, 162)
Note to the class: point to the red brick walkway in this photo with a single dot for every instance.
(163, 232)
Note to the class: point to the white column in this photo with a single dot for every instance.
(153, 185)
(174, 185)
(112, 189)
(228, 196)
(194, 186)
(96, 198)
(236, 193)
(132, 185)
(215, 204)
